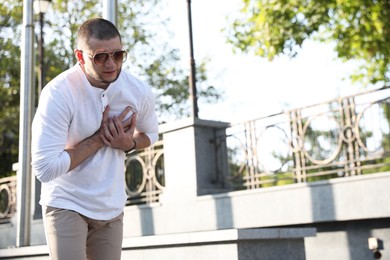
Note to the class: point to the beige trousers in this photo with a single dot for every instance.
(71, 235)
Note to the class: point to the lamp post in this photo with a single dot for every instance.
(192, 80)
(40, 8)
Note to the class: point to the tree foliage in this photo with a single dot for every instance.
(359, 28)
(10, 17)
(149, 57)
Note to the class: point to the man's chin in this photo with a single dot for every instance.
(111, 79)
(108, 81)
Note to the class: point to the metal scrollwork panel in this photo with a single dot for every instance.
(7, 198)
(371, 128)
(144, 173)
(322, 137)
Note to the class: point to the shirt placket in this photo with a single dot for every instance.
(104, 100)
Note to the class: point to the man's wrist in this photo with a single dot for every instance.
(97, 140)
(132, 149)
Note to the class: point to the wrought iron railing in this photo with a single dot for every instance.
(7, 198)
(343, 137)
(145, 175)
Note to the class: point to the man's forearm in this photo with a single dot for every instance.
(83, 150)
(141, 140)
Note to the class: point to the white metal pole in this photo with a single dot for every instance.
(26, 99)
(110, 10)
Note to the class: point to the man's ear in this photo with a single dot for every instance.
(79, 56)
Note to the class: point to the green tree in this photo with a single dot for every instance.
(10, 17)
(359, 28)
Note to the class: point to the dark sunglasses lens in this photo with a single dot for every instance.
(101, 58)
(119, 56)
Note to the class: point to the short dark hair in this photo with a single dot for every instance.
(97, 28)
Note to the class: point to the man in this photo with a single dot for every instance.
(87, 119)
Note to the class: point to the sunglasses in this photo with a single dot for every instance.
(102, 57)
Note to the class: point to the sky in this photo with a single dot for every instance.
(254, 87)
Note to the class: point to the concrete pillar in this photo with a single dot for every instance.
(195, 157)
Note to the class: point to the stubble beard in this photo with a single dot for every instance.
(100, 79)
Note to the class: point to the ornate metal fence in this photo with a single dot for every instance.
(343, 137)
(145, 175)
(7, 198)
